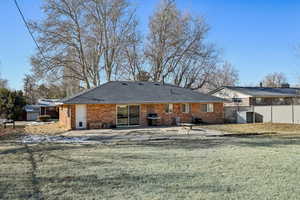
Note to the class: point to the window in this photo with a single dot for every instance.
(169, 108)
(236, 100)
(263, 101)
(258, 100)
(185, 108)
(282, 101)
(208, 107)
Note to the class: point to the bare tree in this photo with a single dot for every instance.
(225, 75)
(142, 76)
(33, 90)
(132, 60)
(29, 88)
(113, 28)
(274, 79)
(61, 36)
(176, 50)
(82, 38)
(86, 42)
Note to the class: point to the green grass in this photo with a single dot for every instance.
(262, 167)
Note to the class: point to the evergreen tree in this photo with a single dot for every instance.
(11, 104)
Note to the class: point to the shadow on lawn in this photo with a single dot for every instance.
(266, 141)
(124, 182)
(37, 194)
(188, 144)
(27, 184)
(216, 142)
(44, 148)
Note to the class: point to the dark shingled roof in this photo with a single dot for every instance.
(264, 91)
(125, 92)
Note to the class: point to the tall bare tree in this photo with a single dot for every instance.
(86, 42)
(83, 38)
(275, 79)
(29, 88)
(132, 63)
(176, 50)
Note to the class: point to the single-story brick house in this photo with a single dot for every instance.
(132, 103)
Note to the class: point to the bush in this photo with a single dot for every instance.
(44, 118)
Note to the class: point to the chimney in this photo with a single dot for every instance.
(285, 85)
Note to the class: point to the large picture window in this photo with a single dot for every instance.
(207, 107)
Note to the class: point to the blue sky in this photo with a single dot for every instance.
(257, 37)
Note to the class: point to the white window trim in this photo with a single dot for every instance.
(207, 108)
(170, 108)
(212, 107)
(187, 108)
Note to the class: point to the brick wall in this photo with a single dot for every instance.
(99, 114)
(67, 116)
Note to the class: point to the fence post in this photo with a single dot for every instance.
(293, 115)
(254, 115)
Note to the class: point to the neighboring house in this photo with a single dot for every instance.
(32, 112)
(43, 107)
(260, 104)
(128, 103)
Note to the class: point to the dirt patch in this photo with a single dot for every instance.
(49, 129)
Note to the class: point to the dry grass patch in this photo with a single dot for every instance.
(49, 129)
(260, 128)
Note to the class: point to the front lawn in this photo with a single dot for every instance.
(258, 128)
(261, 167)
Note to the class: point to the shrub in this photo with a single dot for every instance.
(44, 118)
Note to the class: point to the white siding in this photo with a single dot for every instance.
(297, 114)
(265, 111)
(282, 114)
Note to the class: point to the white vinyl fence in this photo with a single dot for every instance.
(274, 114)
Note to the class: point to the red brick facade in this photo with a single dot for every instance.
(67, 116)
(100, 114)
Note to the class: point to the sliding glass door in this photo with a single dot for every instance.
(128, 115)
(122, 115)
(134, 115)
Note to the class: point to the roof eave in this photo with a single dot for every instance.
(147, 102)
